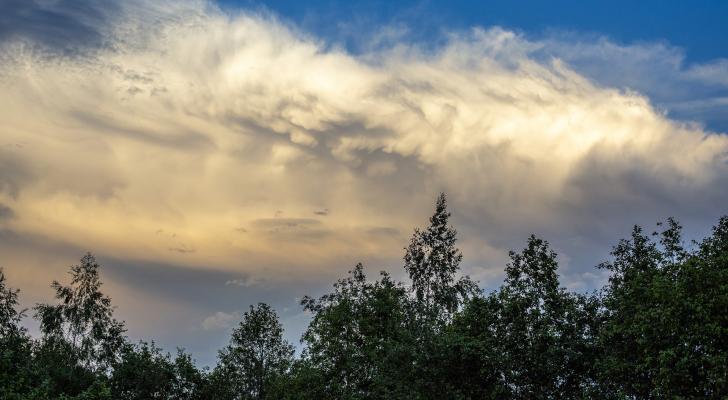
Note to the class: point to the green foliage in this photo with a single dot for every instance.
(666, 318)
(18, 376)
(357, 339)
(530, 339)
(544, 333)
(257, 356)
(432, 262)
(304, 381)
(10, 316)
(189, 382)
(82, 323)
(81, 340)
(144, 372)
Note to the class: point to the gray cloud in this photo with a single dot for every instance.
(247, 281)
(6, 212)
(199, 293)
(220, 320)
(383, 231)
(175, 137)
(60, 26)
(14, 173)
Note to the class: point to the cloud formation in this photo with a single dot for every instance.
(697, 92)
(219, 320)
(179, 135)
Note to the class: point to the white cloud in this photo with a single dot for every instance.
(219, 320)
(688, 91)
(243, 282)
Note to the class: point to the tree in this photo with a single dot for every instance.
(469, 354)
(546, 333)
(10, 316)
(144, 372)
(256, 357)
(358, 340)
(529, 339)
(189, 382)
(83, 318)
(19, 378)
(665, 315)
(432, 261)
(81, 339)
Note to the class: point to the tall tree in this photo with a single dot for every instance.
(83, 318)
(432, 262)
(256, 357)
(81, 339)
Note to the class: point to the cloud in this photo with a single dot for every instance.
(246, 281)
(219, 320)
(384, 231)
(62, 26)
(183, 249)
(276, 224)
(689, 92)
(229, 131)
(6, 212)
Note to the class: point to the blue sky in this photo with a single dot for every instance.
(699, 27)
(213, 157)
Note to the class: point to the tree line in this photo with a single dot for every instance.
(657, 329)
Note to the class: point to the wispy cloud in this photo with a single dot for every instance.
(246, 281)
(219, 320)
(690, 92)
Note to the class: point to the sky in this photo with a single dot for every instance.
(214, 155)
